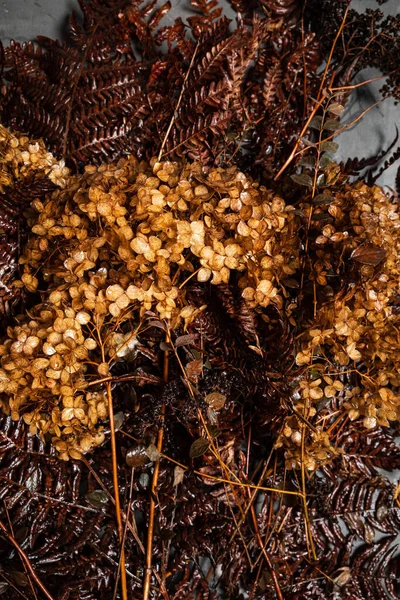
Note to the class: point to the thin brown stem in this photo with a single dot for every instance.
(152, 508)
(124, 534)
(178, 103)
(26, 561)
(266, 555)
(124, 590)
(317, 104)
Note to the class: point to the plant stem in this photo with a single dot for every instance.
(26, 561)
(152, 508)
(124, 590)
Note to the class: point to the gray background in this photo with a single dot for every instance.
(22, 20)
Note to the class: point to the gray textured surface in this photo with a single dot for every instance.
(22, 20)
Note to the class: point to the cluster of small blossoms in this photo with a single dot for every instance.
(356, 334)
(113, 243)
(20, 157)
(147, 226)
(43, 377)
(123, 239)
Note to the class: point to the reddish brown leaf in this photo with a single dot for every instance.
(369, 255)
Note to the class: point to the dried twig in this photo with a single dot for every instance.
(26, 561)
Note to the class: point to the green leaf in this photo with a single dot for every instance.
(302, 180)
(307, 161)
(179, 473)
(199, 447)
(97, 499)
(291, 283)
(331, 147)
(119, 418)
(185, 340)
(213, 431)
(324, 161)
(322, 199)
(165, 347)
(316, 123)
(137, 456)
(307, 142)
(331, 125)
(18, 578)
(322, 216)
(336, 108)
(153, 453)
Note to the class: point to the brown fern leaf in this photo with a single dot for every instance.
(272, 79)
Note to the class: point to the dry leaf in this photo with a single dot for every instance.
(216, 400)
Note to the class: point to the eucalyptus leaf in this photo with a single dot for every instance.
(321, 179)
(307, 161)
(324, 161)
(118, 420)
(322, 199)
(185, 340)
(198, 447)
(213, 431)
(331, 147)
(307, 142)
(331, 125)
(97, 499)
(322, 216)
(291, 283)
(137, 456)
(153, 453)
(315, 123)
(302, 180)
(336, 108)
(165, 347)
(18, 578)
(179, 473)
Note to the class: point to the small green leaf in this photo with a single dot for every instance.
(307, 161)
(179, 473)
(307, 142)
(165, 347)
(185, 340)
(302, 180)
(118, 420)
(18, 578)
(153, 453)
(213, 431)
(137, 456)
(316, 123)
(331, 125)
(324, 161)
(97, 499)
(331, 147)
(199, 447)
(322, 199)
(291, 283)
(336, 108)
(323, 217)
